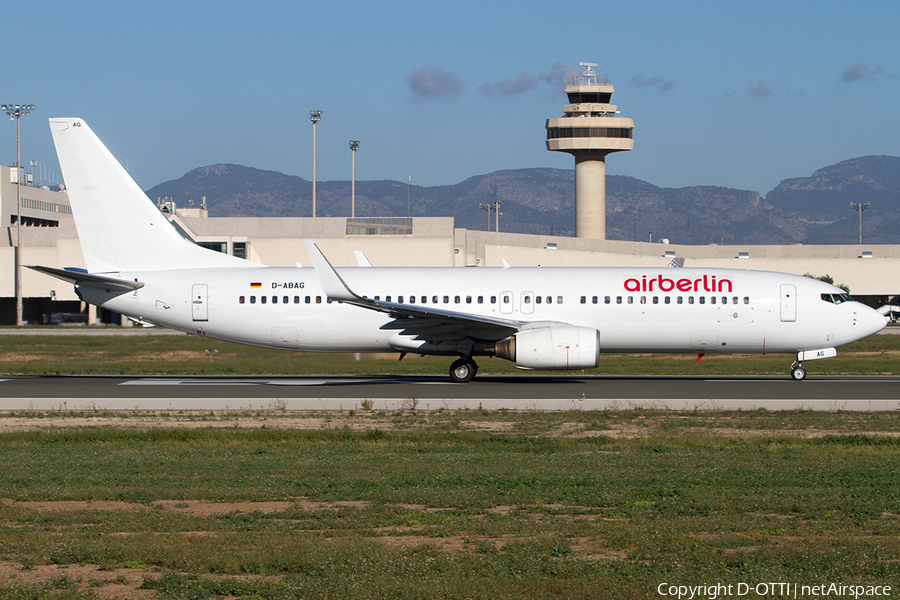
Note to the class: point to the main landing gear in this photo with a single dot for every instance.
(463, 370)
(798, 373)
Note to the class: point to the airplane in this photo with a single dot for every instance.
(539, 318)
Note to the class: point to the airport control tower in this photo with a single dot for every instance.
(589, 131)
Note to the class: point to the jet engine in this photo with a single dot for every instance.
(554, 347)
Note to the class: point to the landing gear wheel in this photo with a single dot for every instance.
(463, 370)
(798, 373)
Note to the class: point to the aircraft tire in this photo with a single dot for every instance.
(463, 370)
(798, 373)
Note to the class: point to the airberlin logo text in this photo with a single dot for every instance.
(707, 283)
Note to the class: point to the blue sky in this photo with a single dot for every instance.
(737, 94)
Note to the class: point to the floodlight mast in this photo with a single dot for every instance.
(14, 112)
(354, 146)
(859, 207)
(314, 116)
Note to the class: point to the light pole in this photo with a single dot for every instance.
(15, 111)
(497, 210)
(859, 207)
(488, 208)
(314, 116)
(354, 146)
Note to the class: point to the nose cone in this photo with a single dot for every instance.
(871, 321)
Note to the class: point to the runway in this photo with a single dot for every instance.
(522, 392)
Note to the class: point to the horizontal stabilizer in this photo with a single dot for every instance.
(82, 279)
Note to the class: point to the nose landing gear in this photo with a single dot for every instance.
(463, 370)
(798, 373)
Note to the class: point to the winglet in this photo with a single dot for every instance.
(332, 283)
(361, 259)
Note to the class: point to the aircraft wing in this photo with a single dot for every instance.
(85, 279)
(422, 321)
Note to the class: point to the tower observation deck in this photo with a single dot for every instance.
(589, 131)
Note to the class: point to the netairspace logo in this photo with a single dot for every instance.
(772, 590)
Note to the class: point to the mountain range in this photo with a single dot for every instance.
(808, 210)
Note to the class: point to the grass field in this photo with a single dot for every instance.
(187, 355)
(446, 504)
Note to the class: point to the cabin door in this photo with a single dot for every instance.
(199, 294)
(788, 302)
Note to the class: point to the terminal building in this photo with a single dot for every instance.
(38, 222)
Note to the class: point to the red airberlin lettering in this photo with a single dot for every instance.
(707, 283)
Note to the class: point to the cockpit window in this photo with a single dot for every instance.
(837, 298)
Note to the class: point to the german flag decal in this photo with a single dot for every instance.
(255, 285)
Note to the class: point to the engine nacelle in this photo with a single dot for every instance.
(554, 347)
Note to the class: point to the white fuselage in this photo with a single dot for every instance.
(658, 310)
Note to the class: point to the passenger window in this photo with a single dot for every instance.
(630, 299)
(318, 299)
(559, 299)
(606, 300)
(308, 299)
(643, 299)
(434, 299)
(655, 299)
(252, 299)
(618, 299)
(668, 300)
(412, 300)
(400, 299)
(328, 299)
(746, 299)
(493, 299)
(424, 299)
(734, 300)
(712, 300)
(702, 299)
(387, 298)
(296, 299)
(285, 300)
(527, 300)
(690, 299)
(549, 299)
(594, 300)
(468, 299)
(679, 300)
(456, 299)
(241, 299)
(377, 298)
(506, 299)
(537, 299)
(724, 299)
(584, 299)
(446, 299)
(262, 299)
(480, 299)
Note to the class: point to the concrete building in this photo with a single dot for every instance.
(589, 131)
(403, 241)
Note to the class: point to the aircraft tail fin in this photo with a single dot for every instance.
(119, 227)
